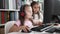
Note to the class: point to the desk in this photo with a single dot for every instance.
(33, 32)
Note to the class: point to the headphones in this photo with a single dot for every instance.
(22, 11)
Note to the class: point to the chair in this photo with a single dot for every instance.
(8, 25)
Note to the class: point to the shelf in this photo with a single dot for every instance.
(8, 10)
(2, 24)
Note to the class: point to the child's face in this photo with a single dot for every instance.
(28, 12)
(36, 8)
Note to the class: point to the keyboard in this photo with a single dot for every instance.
(46, 28)
(41, 28)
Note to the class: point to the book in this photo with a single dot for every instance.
(0, 17)
(2, 3)
(15, 15)
(6, 16)
(12, 16)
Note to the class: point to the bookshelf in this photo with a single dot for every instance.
(8, 15)
(9, 6)
(2, 24)
(9, 10)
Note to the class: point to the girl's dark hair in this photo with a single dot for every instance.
(22, 13)
(32, 4)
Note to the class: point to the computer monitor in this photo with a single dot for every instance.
(51, 7)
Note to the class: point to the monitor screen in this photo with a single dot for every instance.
(51, 7)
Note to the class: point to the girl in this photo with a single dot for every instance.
(37, 15)
(24, 23)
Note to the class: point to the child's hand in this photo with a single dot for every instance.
(37, 22)
(25, 28)
(40, 24)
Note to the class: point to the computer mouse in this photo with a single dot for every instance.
(26, 32)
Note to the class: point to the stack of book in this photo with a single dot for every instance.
(6, 16)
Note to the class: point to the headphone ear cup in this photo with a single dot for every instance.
(24, 13)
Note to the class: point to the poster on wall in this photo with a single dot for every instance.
(18, 4)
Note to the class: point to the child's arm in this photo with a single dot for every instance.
(15, 28)
(36, 22)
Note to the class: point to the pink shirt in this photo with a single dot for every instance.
(27, 23)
